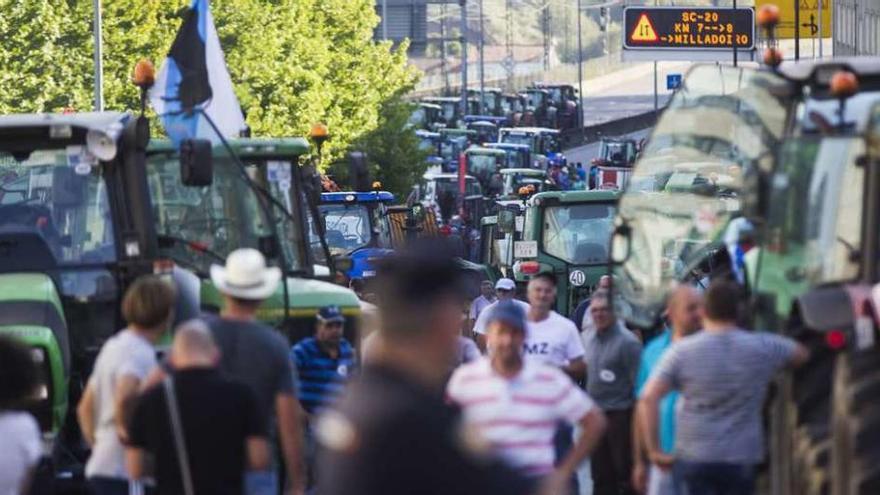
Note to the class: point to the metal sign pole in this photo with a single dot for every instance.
(734, 38)
(384, 20)
(821, 36)
(99, 64)
(464, 59)
(580, 69)
(482, 63)
(797, 29)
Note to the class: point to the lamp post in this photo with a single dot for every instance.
(580, 70)
(99, 64)
(464, 58)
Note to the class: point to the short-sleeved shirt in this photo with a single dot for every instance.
(21, 449)
(650, 357)
(483, 318)
(257, 356)
(723, 379)
(554, 341)
(390, 434)
(217, 415)
(321, 377)
(478, 305)
(125, 354)
(612, 358)
(519, 416)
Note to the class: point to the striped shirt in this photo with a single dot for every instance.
(723, 378)
(321, 376)
(518, 416)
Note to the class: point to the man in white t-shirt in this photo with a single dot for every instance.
(486, 297)
(122, 365)
(505, 289)
(552, 338)
(516, 404)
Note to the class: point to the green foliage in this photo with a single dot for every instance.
(293, 62)
(393, 154)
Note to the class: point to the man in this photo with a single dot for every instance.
(223, 432)
(551, 338)
(581, 316)
(612, 357)
(391, 432)
(722, 374)
(516, 404)
(124, 362)
(258, 356)
(323, 362)
(683, 313)
(486, 297)
(505, 290)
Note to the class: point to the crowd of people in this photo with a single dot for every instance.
(508, 397)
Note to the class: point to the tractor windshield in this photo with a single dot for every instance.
(578, 234)
(483, 167)
(67, 206)
(519, 138)
(200, 226)
(686, 188)
(347, 227)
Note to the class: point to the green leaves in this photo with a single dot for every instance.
(293, 62)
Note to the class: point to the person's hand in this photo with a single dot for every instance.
(555, 484)
(640, 477)
(662, 460)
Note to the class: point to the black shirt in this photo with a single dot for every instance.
(217, 416)
(389, 435)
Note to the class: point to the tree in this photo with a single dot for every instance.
(394, 156)
(293, 62)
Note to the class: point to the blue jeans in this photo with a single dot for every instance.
(261, 483)
(715, 478)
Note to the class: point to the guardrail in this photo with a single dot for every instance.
(626, 125)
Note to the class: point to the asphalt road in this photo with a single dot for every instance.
(587, 152)
(601, 109)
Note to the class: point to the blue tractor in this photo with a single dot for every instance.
(357, 228)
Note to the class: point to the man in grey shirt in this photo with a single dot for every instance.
(722, 374)
(612, 357)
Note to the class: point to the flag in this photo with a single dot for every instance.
(194, 81)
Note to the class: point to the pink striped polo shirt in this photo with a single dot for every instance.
(518, 416)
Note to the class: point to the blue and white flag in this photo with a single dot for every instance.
(194, 80)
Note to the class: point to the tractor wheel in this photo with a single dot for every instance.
(855, 425)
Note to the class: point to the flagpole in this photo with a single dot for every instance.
(99, 65)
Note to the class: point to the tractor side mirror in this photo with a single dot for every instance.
(507, 221)
(621, 244)
(196, 163)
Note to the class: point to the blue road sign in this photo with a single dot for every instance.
(673, 81)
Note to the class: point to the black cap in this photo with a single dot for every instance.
(422, 271)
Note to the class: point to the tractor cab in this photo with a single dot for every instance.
(563, 105)
(485, 165)
(543, 143)
(492, 101)
(614, 152)
(513, 105)
(441, 192)
(485, 126)
(429, 142)
(516, 155)
(450, 109)
(498, 233)
(356, 226)
(427, 116)
(537, 112)
(566, 233)
(515, 179)
(453, 142)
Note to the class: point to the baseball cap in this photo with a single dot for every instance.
(508, 312)
(505, 284)
(330, 314)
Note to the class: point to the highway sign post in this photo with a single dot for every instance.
(687, 33)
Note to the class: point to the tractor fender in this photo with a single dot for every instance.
(826, 308)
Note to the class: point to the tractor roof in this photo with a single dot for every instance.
(529, 130)
(533, 172)
(357, 197)
(575, 196)
(508, 146)
(481, 150)
(252, 147)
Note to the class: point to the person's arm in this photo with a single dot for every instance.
(85, 414)
(576, 369)
(640, 465)
(124, 398)
(290, 421)
(134, 462)
(257, 449)
(648, 408)
(593, 425)
(799, 357)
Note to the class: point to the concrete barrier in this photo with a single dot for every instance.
(612, 128)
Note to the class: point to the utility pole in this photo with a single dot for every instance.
(508, 43)
(444, 51)
(464, 58)
(545, 28)
(734, 36)
(482, 61)
(821, 39)
(384, 20)
(797, 29)
(99, 59)
(580, 69)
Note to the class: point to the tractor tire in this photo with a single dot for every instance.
(855, 424)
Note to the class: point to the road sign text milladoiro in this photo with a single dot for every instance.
(689, 28)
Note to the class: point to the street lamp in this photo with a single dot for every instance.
(580, 70)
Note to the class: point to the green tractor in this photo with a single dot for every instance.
(262, 198)
(566, 233)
